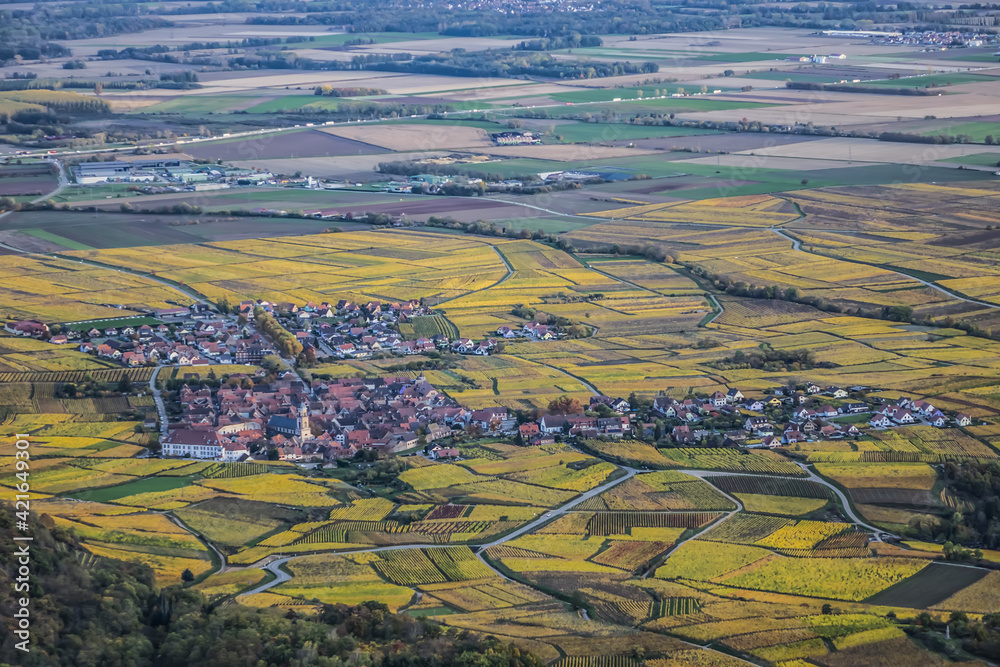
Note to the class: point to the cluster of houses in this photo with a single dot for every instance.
(186, 343)
(805, 418)
(335, 419)
(326, 420)
(530, 331)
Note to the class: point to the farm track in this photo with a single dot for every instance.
(510, 274)
(223, 565)
(797, 245)
(579, 379)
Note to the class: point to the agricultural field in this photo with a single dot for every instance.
(686, 228)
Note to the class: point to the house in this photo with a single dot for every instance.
(904, 416)
(880, 421)
(771, 441)
(31, 328)
(939, 420)
(855, 408)
(734, 396)
(683, 435)
(718, 399)
(963, 420)
(793, 436)
(528, 431)
(837, 392)
(813, 388)
(438, 452)
(665, 406)
(754, 405)
(59, 339)
(192, 443)
(827, 412)
(553, 423)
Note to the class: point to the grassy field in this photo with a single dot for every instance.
(979, 159)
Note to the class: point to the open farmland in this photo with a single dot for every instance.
(704, 370)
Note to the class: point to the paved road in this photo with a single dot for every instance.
(812, 477)
(711, 297)
(272, 565)
(528, 527)
(223, 565)
(161, 408)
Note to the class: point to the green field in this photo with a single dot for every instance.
(55, 238)
(952, 79)
(978, 159)
(588, 132)
(792, 75)
(609, 94)
(148, 485)
(748, 57)
(977, 131)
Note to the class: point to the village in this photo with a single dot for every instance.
(197, 335)
(250, 418)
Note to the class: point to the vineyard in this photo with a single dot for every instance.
(729, 460)
(230, 470)
(666, 490)
(102, 374)
(430, 326)
(674, 607)
(770, 486)
(621, 523)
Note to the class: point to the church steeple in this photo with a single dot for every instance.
(303, 429)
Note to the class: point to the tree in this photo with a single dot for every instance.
(827, 609)
(565, 405)
(187, 575)
(98, 88)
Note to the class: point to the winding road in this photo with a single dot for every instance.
(811, 477)
(282, 577)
